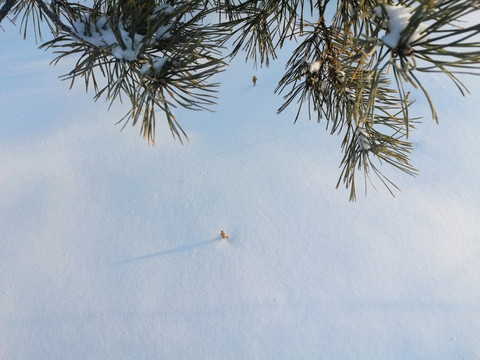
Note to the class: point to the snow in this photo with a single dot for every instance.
(315, 67)
(121, 43)
(163, 32)
(398, 20)
(102, 35)
(122, 46)
(156, 65)
(111, 249)
(362, 139)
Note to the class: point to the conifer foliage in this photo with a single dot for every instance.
(357, 70)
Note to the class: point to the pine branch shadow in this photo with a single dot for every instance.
(176, 250)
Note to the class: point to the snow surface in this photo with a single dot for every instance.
(111, 249)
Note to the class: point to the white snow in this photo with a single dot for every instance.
(362, 139)
(398, 20)
(103, 36)
(163, 32)
(111, 249)
(123, 46)
(315, 67)
(156, 65)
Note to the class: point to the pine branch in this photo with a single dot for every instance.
(53, 17)
(6, 8)
(162, 54)
(156, 64)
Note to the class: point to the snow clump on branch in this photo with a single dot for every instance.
(120, 42)
(101, 35)
(398, 20)
(361, 136)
